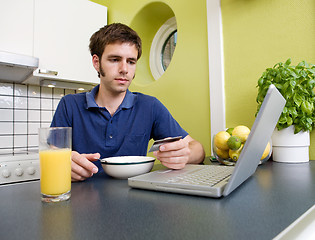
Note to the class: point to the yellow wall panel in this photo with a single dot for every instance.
(257, 35)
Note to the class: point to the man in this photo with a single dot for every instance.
(112, 121)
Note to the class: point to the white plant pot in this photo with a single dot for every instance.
(288, 147)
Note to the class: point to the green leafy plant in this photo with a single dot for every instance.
(297, 85)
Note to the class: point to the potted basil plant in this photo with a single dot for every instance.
(291, 138)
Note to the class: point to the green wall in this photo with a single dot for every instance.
(256, 35)
(184, 87)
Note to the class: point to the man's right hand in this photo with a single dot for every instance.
(82, 166)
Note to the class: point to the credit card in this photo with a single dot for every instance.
(156, 145)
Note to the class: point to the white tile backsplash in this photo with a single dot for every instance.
(20, 128)
(6, 128)
(33, 149)
(33, 140)
(46, 103)
(33, 128)
(6, 101)
(23, 110)
(44, 124)
(34, 116)
(46, 92)
(6, 115)
(20, 150)
(56, 102)
(6, 89)
(20, 102)
(20, 115)
(20, 90)
(33, 103)
(6, 141)
(46, 116)
(20, 141)
(33, 91)
(6, 151)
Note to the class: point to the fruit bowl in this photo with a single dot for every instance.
(224, 156)
(226, 160)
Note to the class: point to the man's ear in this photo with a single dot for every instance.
(96, 62)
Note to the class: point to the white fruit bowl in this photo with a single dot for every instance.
(127, 166)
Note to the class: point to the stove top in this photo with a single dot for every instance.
(20, 168)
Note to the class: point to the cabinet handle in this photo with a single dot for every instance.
(48, 72)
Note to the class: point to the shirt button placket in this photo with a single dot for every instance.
(109, 134)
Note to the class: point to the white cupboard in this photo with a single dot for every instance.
(16, 26)
(62, 30)
(57, 32)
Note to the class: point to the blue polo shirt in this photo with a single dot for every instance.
(138, 119)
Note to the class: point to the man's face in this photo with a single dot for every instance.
(117, 67)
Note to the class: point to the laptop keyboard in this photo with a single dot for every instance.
(207, 175)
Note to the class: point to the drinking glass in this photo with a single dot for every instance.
(55, 163)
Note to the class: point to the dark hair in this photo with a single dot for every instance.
(115, 32)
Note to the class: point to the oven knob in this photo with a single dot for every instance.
(31, 170)
(19, 172)
(6, 173)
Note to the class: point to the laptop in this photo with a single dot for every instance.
(196, 179)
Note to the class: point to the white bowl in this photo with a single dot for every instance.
(127, 166)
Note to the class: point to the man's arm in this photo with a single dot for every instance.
(81, 164)
(177, 154)
(197, 152)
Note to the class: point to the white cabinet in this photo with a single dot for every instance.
(16, 26)
(62, 30)
(57, 32)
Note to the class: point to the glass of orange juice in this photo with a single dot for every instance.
(55, 163)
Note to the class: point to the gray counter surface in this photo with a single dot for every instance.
(106, 208)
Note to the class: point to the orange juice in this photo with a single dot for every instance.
(55, 171)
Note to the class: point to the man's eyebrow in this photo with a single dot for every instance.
(113, 56)
(119, 57)
(133, 59)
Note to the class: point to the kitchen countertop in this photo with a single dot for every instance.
(106, 208)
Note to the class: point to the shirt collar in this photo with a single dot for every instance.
(90, 98)
(128, 101)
